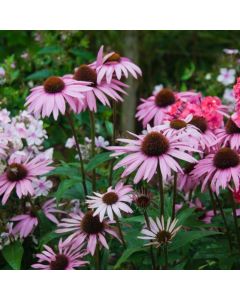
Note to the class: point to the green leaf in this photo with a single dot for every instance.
(13, 254)
(98, 160)
(126, 254)
(188, 72)
(51, 50)
(40, 75)
(185, 237)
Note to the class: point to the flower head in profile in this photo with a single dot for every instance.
(142, 198)
(100, 91)
(206, 215)
(67, 257)
(86, 228)
(219, 169)
(229, 135)
(112, 202)
(113, 64)
(185, 181)
(20, 174)
(54, 94)
(226, 76)
(151, 151)
(160, 233)
(156, 107)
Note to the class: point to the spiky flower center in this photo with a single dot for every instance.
(189, 168)
(114, 57)
(200, 123)
(91, 224)
(178, 124)
(16, 172)
(231, 127)
(155, 144)
(143, 201)
(53, 85)
(85, 73)
(165, 98)
(60, 263)
(163, 237)
(226, 158)
(110, 198)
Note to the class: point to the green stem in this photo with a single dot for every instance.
(165, 250)
(151, 247)
(120, 231)
(224, 220)
(114, 104)
(161, 193)
(235, 217)
(174, 194)
(212, 200)
(92, 121)
(79, 151)
(97, 257)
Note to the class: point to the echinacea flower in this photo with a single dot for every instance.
(142, 198)
(156, 107)
(151, 151)
(183, 128)
(219, 169)
(207, 138)
(67, 257)
(230, 135)
(113, 64)
(27, 222)
(86, 227)
(160, 233)
(21, 174)
(112, 202)
(185, 181)
(226, 76)
(98, 90)
(54, 94)
(206, 215)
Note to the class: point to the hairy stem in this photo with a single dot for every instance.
(161, 194)
(174, 194)
(92, 121)
(114, 104)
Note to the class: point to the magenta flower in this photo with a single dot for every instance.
(26, 223)
(112, 202)
(219, 169)
(114, 64)
(52, 96)
(66, 258)
(150, 151)
(185, 181)
(230, 135)
(86, 227)
(98, 90)
(20, 175)
(156, 107)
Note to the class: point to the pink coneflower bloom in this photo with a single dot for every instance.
(219, 169)
(189, 97)
(99, 90)
(150, 151)
(114, 64)
(68, 257)
(159, 232)
(112, 202)
(142, 198)
(207, 138)
(156, 107)
(54, 94)
(86, 227)
(185, 181)
(20, 175)
(26, 223)
(230, 135)
(206, 215)
(182, 127)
